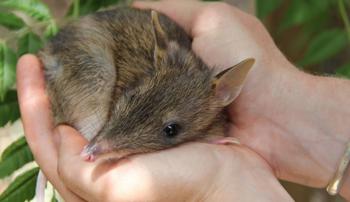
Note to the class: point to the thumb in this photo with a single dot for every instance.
(72, 169)
(182, 12)
(70, 142)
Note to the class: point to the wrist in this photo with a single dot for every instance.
(319, 127)
(340, 183)
(329, 116)
(299, 118)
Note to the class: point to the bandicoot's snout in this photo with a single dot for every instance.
(102, 150)
(92, 150)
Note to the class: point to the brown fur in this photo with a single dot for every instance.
(119, 80)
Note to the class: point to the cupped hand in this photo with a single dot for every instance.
(191, 172)
(281, 112)
(41, 135)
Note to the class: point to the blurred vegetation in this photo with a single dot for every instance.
(314, 34)
(25, 26)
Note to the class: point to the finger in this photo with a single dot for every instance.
(110, 181)
(73, 170)
(141, 174)
(182, 12)
(33, 101)
(35, 113)
(97, 181)
(71, 142)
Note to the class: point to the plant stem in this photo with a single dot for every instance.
(344, 16)
(14, 35)
(76, 4)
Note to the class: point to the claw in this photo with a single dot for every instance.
(89, 152)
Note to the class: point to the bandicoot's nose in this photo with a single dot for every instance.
(90, 151)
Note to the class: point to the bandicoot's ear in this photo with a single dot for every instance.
(160, 38)
(228, 83)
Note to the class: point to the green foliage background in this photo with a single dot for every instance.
(314, 34)
(25, 26)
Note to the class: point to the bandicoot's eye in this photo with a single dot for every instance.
(171, 130)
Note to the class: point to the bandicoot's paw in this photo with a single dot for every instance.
(88, 153)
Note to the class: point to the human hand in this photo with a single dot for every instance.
(282, 113)
(191, 172)
(40, 133)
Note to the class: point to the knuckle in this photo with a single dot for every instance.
(216, 10)
(221, 11)
(211, 16)
(221, 6)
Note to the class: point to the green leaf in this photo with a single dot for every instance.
(301, 11)
(11, 21)
(14, 157)
(33, 8)
(89, 6)
(7, 69)
(296, 14)
(9, 109)
(266, 7)
(324, 46)
(344, 16)
(29, 43)
(317, 25)
(51, 30)
(22, 188)
(13, 148)
(344, 70)
(54, 199)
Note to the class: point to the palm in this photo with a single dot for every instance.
(253, 122)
